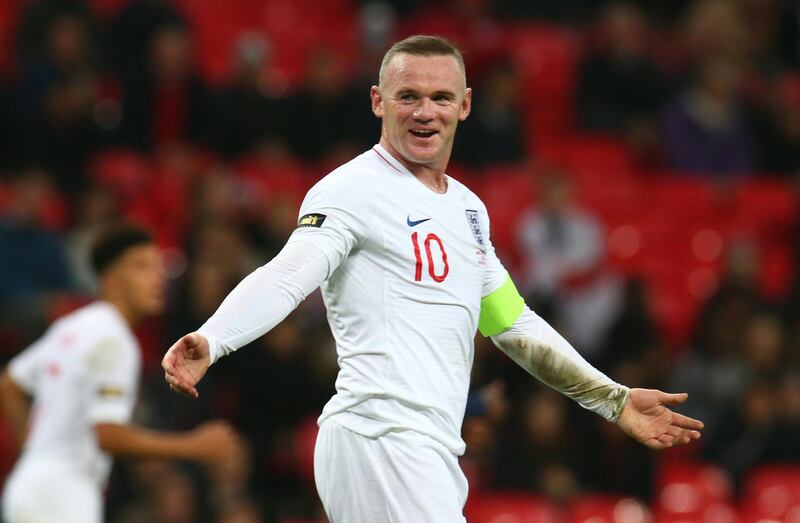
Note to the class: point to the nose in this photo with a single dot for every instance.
(424, 111)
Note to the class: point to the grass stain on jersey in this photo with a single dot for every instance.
(562, 374)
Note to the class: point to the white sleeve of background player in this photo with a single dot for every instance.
(265, 297)
(112, 366)
(26, 367)
(539, 349)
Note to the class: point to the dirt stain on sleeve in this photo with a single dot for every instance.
(584, 384)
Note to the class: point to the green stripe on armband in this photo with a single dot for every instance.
(500, 309)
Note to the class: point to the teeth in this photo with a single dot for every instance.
(420, 132)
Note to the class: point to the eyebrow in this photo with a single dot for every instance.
(408, 90)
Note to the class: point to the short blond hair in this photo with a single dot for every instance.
(421, 45)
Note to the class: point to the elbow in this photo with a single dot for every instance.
(9, 389)
(108, 437)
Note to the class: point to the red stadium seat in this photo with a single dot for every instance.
(691, 490)
(510, 508)
(772, 493)
(124, 171)
(716, 513)
(609, 509)
(546, 57)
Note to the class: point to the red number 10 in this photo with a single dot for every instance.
(438, 278)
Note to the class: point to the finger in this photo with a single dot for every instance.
(673, 399)
(686, 422)
(189, 393)
(180, 386)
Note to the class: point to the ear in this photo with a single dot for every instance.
(377, 101)
(466, 105)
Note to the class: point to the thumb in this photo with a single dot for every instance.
(673, 399)
(191, 340)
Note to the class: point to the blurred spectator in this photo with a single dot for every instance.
(751, 431)
(241, 511)
(493, 132)
(764, 345)
(633, 352)
(706, 129)
(132, 31)
(713, 30)
(168, 103)
(485, 414)
(564, 258)
(175, 500)
(714, 371)
(32, 259)
(538, 452)
(789, 33)
(56, 39)
(251, 109)
(778, 126)
(64, 134)
(621, 468)
(321, 123)
(620, 88)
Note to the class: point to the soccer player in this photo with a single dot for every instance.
(408, 273)
(82, 378)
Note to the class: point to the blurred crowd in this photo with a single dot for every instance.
(187, 116)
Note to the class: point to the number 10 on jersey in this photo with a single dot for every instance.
(429, 239)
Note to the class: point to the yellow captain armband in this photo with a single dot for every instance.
(500, 309)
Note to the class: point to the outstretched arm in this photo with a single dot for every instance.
(643, 414)
(260, 301)
(215, 441)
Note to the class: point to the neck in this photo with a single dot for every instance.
(127, 312)
(431, 175)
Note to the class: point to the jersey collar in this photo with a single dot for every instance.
(387, 158)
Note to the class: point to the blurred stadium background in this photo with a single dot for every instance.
(640, 162)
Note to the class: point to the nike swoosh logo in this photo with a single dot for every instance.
(415, 222)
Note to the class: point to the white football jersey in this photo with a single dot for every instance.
(409, 267)
(83, 371)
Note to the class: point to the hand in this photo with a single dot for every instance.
(185, 363)
(646, 419)
(216, 442)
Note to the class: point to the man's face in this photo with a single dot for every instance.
(421, 101)
(140, 276)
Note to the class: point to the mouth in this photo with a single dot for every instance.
(423, 133)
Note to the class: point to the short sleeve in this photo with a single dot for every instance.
(112, 366)
(25, 367)
(334, 217)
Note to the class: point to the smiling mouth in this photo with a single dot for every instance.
(423, 133)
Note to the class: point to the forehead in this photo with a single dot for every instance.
(139, 253)
(434, 73)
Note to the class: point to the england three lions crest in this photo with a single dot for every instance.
(475, 227)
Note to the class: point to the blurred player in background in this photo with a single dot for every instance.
(70, 395)
(408, 273)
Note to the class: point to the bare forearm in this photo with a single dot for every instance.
(132, 441)
(538, 348)
(16, 407)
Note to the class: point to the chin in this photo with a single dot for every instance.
(422, 157)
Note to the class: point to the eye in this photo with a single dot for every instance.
(408, 97)
(441, 99)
